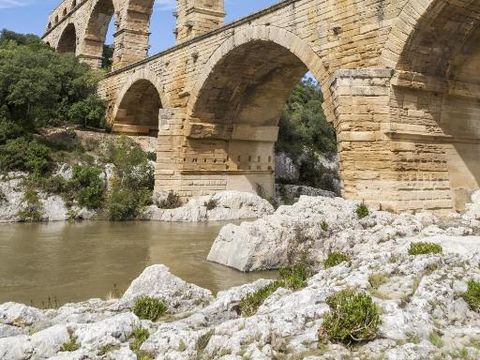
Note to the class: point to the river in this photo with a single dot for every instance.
(47, 265)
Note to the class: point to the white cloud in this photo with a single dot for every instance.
(5, 4)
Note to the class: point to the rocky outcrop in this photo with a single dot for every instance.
(423, 316)
(319, 225)
(226, 205)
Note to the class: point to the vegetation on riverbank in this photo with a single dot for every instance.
(41, 91)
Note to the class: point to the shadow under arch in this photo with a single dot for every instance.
(235, 108)
(138, 108)
(436, 97)
(68, 40)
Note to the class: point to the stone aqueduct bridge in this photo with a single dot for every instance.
(401, 80)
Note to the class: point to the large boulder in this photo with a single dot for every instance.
(226, 205)
(316, 226)
(156, 281)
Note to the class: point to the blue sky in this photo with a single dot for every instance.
(30, 16)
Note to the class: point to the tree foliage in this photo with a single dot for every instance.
(303, 125)
(39, 87)
(305, 134)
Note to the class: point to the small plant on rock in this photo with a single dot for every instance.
(295, 277)
(376, 280)
(353, 318)
(472, 295)
(172, 201)
(362, 210)
(211, 204)
(33, 209)
(149, 308)
(335, 258)
(324, 225)
(138, 337)
(3, 197)
(251, 302)
(203, 341)
(70, 345)
(423, 248)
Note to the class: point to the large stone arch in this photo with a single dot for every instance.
(235, 107)
(94, 37)
(68, 40)
(435, 100)
(136, 110)
(273, 34)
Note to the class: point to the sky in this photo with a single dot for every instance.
(30, 16)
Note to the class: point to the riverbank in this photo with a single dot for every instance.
(419, 271)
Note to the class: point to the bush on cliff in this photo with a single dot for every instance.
(86, 186)
(353, 317)
(131, 187)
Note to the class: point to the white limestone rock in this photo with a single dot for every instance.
(16, 348)
(157, 281)
(111, 331)
(226, 205)
(20, 315)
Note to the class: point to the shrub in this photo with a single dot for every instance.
(251, 302)
(472, 295)
(33, 209)
(335, 258)
(87, 186)
(149, 308)
(88, 112)
(138, 337)
(362, 210)
(211, 204)
(23, 155)
(171, 202)
(353, 317)
(294, 278)
(423, 248)
(125, 203)
(40, 86)
(436, 339)
(70, 345)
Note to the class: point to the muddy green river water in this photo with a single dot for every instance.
(51, 264)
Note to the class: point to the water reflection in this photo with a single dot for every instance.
(74, 262)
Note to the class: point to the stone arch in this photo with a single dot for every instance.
(96, 31)
(273, 34)
(68, 41)
(138, 105)
(435, 98)
(236, 106)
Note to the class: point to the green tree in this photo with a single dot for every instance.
(39, 87)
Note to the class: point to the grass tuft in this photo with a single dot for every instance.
(70, 345)
(472, 295)
(149, 308)
(335, 258)
(423, 248)
(362, 210)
